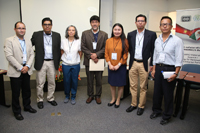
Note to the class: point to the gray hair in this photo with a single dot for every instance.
(76, 32)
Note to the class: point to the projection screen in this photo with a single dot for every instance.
(62, 12)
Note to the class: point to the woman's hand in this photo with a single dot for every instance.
(116, 67)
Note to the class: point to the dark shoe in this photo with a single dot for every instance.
(18, 116)
(130, 109)
(140, 111)
(154, 115)
(54, 103)
(31, 110)
(89, 100)
(40, 105)
(163, 122)
(98, 100)
(111, 104)
(117, 106)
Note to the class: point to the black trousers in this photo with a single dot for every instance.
(16, 84)
(90, 82)
(163, 88)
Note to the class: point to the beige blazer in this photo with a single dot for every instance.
(87, 46)
(14, 55)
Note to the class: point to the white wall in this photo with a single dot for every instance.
(9, 15)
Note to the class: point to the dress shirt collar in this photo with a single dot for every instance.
(46, 34)
(170, 35)
(20, 39)
(96, 32)
(141, 32)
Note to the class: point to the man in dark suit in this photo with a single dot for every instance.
(93, 46)
(47, 58)
(19, 53)
(141, 47)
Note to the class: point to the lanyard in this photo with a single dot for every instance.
(70, 45)
(48, 42)
(140, 38)
(166, 41)
(116, 44)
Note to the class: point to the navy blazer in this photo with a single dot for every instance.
(38, 40)
(147, 49)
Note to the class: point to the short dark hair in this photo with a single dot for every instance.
(166, 17)
(19, 22)
(94, 17)
(76, 32)
(46, 19)
(141, 15)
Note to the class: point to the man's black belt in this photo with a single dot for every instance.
(138, 60)
(24, 64)
(48, 59)
(164, 65)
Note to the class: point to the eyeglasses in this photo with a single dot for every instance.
(21, 28)
(140, 21)
(47, 24)
(165, 24)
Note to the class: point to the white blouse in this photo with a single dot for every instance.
(70, 55)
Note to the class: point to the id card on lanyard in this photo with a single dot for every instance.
(114, 56)
(162, 54)
(94, 45)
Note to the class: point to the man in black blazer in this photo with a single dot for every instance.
(141, 47)
(47, 58)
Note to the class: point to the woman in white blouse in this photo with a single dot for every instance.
(71, 55)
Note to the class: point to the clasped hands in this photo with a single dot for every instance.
(24, 69)
(113, 68)
(93, 56)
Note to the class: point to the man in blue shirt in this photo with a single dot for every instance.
(20, 55)
(168, 56)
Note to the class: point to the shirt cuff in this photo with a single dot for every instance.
(28, 66)
(20, 69)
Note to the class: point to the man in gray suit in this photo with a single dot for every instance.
(47, 59)
(20, 55)
(93, 46)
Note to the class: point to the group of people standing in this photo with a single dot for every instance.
(165, 54)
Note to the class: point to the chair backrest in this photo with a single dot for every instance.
(194, 68)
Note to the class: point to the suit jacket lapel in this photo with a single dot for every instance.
(146, 36)
(53, 41)
(42, 39)
(134, 41)
(18, 43)
(98, 39)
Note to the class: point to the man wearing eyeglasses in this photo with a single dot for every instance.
(47, 59)
(19, 53)
(168, 56)
(141, 46)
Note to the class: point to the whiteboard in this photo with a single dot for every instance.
(62, 12)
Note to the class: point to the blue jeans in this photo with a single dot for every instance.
(70, 74)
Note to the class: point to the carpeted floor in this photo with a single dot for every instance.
(93, 118)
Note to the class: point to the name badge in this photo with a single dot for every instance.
(162, 57)
(49, 49)
(24, 57)
(94, 45)
(69, 56)
(114, 56)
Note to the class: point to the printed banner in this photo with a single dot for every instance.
(188, 29)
